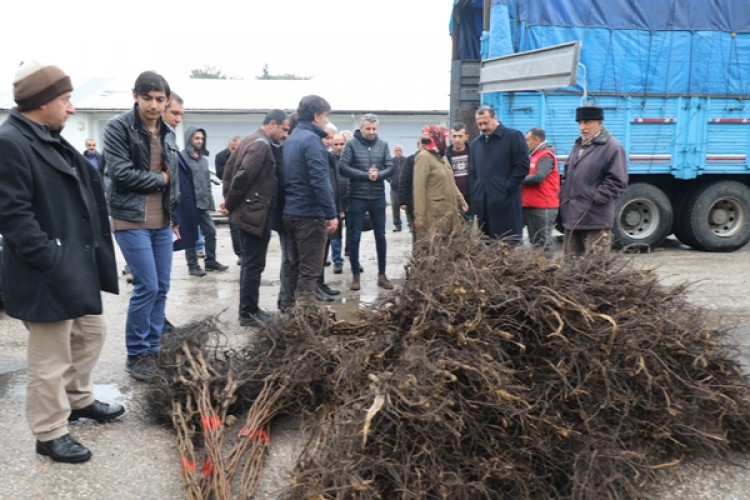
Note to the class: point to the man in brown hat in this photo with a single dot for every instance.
(595, 176)
(59, 257)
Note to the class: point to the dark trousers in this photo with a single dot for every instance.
(396, 209)
(253, 264)
(234, 232)
(285, 297)
(206, 224)
(356, 219)
(308, 242)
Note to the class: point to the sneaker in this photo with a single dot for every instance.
(328, 290)
(216, 266)
(196, 271)
(338, 268)
(322, 296)
(142, 368)
(255, 319)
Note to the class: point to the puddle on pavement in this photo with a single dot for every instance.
(13, 386)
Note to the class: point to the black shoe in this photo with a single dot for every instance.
(255, 319)
(101, 412)
(216, 266)
(328, 290)
(322, 296)
(327, 263)
(397, 229)
(361, 269)
(168, 326)
(142, 368)
(64, 449)
(338, 268)
(196, 271)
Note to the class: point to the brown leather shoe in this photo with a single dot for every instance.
(384, 282)
(354, 285)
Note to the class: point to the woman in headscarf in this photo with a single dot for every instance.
(437, 200)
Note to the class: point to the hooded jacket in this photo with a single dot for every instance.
(358, 156)
(204, 199)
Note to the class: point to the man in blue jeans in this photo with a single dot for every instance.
(367, 162)
(141, 155)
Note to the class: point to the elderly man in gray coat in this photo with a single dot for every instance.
(595, 176)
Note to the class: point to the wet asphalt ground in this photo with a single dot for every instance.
(136, 459)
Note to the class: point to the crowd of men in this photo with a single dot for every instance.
(61, 211)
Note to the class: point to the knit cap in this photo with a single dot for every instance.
(37, 84)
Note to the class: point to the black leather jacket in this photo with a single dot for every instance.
(127, 153)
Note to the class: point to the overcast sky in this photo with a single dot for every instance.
(362, 41)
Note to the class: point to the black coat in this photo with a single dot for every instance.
(58, 253)
(498, 163)
(186, 215)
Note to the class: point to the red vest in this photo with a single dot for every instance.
(546, 194)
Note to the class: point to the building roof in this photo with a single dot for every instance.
(243, 96)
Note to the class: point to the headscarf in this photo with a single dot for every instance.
(437, 135)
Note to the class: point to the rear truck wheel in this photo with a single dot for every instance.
(643, 217)
(719, 216)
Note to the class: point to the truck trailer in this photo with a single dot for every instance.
(673, 78)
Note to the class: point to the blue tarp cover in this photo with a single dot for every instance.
(684, 47)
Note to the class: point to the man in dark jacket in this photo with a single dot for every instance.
(595, 176)
(220, 163)
(367, 162)
(309, 209)
(398, 165)
(93, 156)
(498, 162)
(58, 259)
(249, 185)
(406, 189)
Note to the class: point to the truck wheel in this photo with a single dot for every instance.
(681, 225)
(643, 217)
(719, 216)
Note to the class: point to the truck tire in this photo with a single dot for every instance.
(643, 217)
(681, 225)
(719, 216)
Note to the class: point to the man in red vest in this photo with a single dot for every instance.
(540, 191)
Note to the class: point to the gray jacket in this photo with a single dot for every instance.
(358, 155)
(127, 153)
(204, 199)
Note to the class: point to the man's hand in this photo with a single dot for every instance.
(223, 209)
(418, 223)
(176, 233)
(165, 175)
(373, 173)
(332, 225)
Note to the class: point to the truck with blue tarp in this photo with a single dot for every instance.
(672, 77)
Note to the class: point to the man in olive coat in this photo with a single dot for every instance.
(58, 258)
(498, 163)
